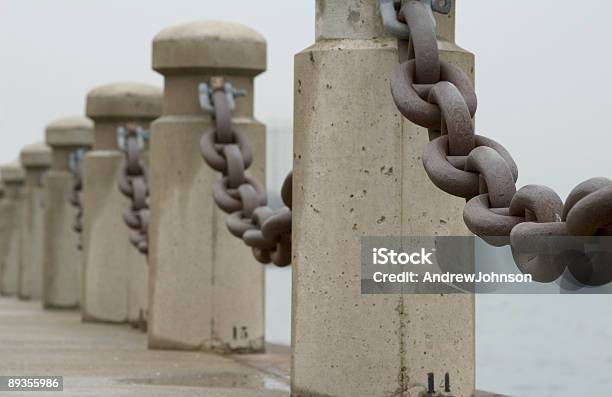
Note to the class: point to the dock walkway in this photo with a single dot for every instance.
(109, 360)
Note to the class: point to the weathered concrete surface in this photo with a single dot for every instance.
(10, 241)
(63, 262)
(104, 360)
(36, 160)
(207, 290)
(358, 172)
(4, 231)
(111, 262)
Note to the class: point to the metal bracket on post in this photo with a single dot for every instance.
(389, 9)
(205, 92)
(75, 158)
(439, 6)
(122, 132)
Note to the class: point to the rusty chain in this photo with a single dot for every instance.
(227, 150)
(75, 162)
(133, 183)
(439, 96)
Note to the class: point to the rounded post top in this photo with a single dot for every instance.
(36, 155)
(209, 46)
(70, 131)
(124, 100)
(12, 172)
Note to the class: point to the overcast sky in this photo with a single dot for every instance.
(543, 82)
(543, 66)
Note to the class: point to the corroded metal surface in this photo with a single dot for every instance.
(76, 196)
(228, 151)
(441, 98)
(133, 183)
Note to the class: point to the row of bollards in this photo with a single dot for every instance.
(201, 288)
(357, 173)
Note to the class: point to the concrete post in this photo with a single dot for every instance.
(13, 176)
(358, 172)
(63, 262)
(115, 273)
(207, 290)
(36, 160)
(4, 231)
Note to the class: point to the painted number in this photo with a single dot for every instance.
(241, 333)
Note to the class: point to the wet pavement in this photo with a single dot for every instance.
(113, 360)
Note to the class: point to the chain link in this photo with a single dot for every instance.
(133, 183)
(228, 151)
(438, 96)
(75, 164)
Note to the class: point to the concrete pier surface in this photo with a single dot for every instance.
(110, 360)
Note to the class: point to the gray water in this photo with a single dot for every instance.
(278, 305)
(526, 345)
(544, 345)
